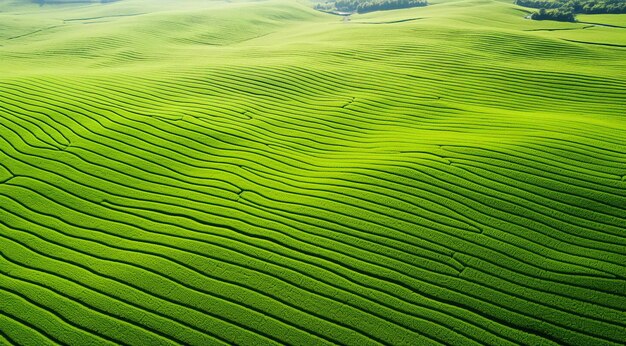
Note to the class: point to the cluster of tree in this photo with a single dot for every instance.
(566, 10)
(364, 6)
(553, 14)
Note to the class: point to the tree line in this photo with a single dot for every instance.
(566, 10)
(364, 6)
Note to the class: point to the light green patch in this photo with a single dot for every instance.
(607, 19)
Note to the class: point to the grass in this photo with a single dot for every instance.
(262, 173)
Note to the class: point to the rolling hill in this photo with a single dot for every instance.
(206, 172)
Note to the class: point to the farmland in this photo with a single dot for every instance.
(258, 173)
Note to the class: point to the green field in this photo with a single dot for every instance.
(206, 172)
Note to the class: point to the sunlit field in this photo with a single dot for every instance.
(257, 173)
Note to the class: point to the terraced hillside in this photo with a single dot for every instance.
(203, 173)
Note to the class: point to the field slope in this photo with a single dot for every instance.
(206, 173)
